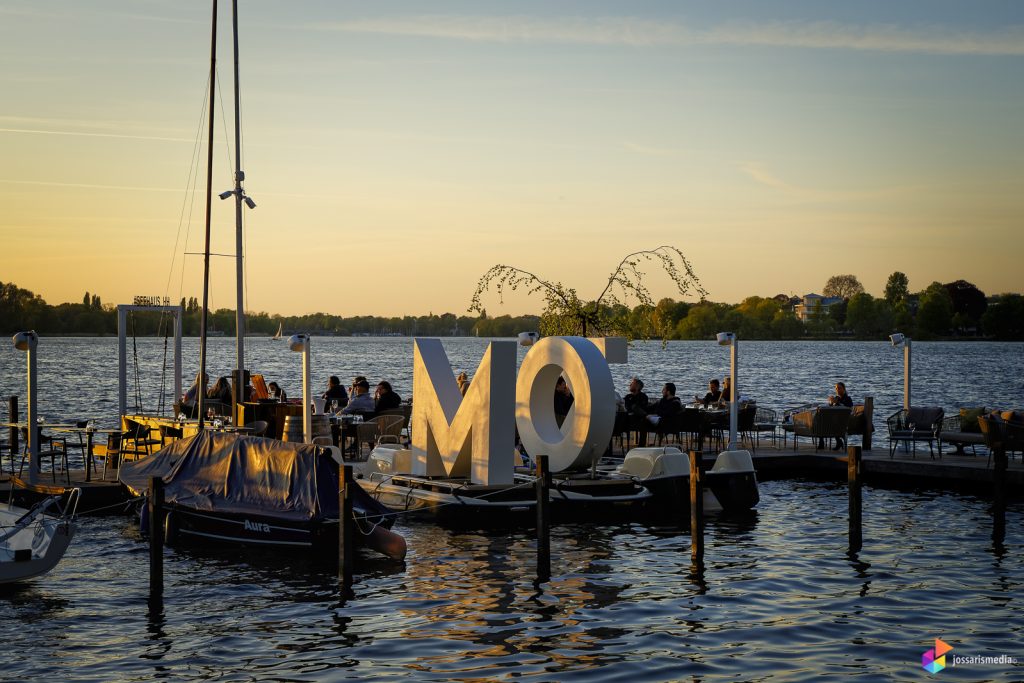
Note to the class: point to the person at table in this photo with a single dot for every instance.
(726, 397)
(667, 406)
(713, 395)
(463, 382)
(386, 398)
(220, 391)
(190, 400)
(276, 393)
(841, 398)
(335, 392)
(636, 401)
(563, 400)
(361, 402)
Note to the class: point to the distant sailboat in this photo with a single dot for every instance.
(277, 335)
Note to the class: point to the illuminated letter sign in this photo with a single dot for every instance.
(587, 429)
(464, 436)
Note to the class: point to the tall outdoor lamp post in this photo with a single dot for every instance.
(899, 340)
(299, 343)
(28, 341)
(729, 339)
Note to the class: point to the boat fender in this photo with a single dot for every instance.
(170, 529)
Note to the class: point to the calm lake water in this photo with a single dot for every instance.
(780, 599)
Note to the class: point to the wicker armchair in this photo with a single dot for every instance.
(826, 422)
(911, 426)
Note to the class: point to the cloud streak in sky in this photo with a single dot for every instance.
(627, 31)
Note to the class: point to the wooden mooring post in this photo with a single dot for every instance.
(12, 437)
(156, 538)
(543, 486)
(999, 465)
(346, 523)
(696, 510)
(853, 481)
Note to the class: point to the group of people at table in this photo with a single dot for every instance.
(356, 400)
(643, 416)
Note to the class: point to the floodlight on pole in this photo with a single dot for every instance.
(899, 340)
(729, 339)
(299, 343)
(28, 341)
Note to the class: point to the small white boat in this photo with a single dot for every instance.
(33, 541)
(528, 338)
(277, 335)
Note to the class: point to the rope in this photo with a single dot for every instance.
(124, 503)
(135, 353)
(162, 400)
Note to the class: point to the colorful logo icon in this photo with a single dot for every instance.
(934, 661)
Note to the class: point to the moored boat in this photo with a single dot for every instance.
(730, 485)
(246, 490)
(33, 541)
(385, 476)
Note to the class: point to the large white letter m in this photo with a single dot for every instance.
(464, 436)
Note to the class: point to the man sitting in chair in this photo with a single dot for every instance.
(361, 402)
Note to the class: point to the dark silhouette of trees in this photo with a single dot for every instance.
(843, 285)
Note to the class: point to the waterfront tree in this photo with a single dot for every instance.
(935, 313)
(1004, 318)
(968, 301)
(897, 288)
(843, 286)
(565, 313)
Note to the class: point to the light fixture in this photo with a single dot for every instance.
(899, 340)
(299, 343)
(729, 339)
(28, 342)
(226, 194)
(249, 202)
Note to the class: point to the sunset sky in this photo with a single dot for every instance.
(397, 150)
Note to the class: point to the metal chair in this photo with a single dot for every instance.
(911, 426)
(258, 427)
(57, 446)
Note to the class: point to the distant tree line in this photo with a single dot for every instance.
(956, 310)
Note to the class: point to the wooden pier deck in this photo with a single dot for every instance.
(97, 495)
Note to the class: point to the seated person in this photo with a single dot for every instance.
(335, 392)
(276, 393)
(840, 399)
(361, 402)
(563, 400)
(636, 400)
(667, 406)
(386, 398)
(190, 400)
(713, 395)
(463, 382)
(220, 391)
(726, 396)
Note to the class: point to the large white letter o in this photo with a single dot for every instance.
(585, 434)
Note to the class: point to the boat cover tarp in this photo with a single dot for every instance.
(216, 471)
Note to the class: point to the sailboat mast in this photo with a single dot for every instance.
(239, 393)
(201, 399)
